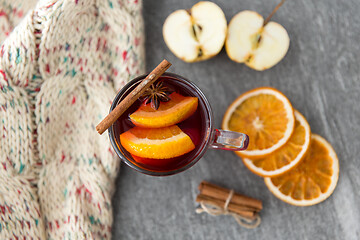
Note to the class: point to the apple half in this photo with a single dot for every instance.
(249, 41)
(196, 34)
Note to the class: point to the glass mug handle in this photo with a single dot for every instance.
(229, 140)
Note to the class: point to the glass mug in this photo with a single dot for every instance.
(199, 126)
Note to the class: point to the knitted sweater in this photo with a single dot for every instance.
(59, 71)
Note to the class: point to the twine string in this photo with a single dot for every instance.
(228, 200)
(217, 211)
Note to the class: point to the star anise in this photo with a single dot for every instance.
(155, 94)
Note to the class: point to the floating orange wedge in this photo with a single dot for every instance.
(266, 116)
(169, 113)
(158, 143)
(287, 156)
(312, 180)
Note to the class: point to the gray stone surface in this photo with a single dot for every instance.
(321, 76)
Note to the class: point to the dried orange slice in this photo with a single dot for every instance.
(286, 157)
(169, 113)
(313, 180)
(266, 116)
(160, 143)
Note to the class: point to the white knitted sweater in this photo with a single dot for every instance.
(60, 69)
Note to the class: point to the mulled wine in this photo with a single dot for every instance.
(196, 126)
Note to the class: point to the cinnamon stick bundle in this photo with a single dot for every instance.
(217, 196)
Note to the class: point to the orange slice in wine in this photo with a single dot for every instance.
(156, 143)
(169, 113)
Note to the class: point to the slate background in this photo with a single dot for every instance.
(320, 75)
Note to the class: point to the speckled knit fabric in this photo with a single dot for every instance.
(60, 69)
(11, 13)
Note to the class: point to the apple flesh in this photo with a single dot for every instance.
(249, 41)
(196, 34)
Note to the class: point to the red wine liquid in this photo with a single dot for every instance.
(195, 127)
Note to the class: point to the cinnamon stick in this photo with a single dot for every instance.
(216, 192)
(238, 209)
(132, 96)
